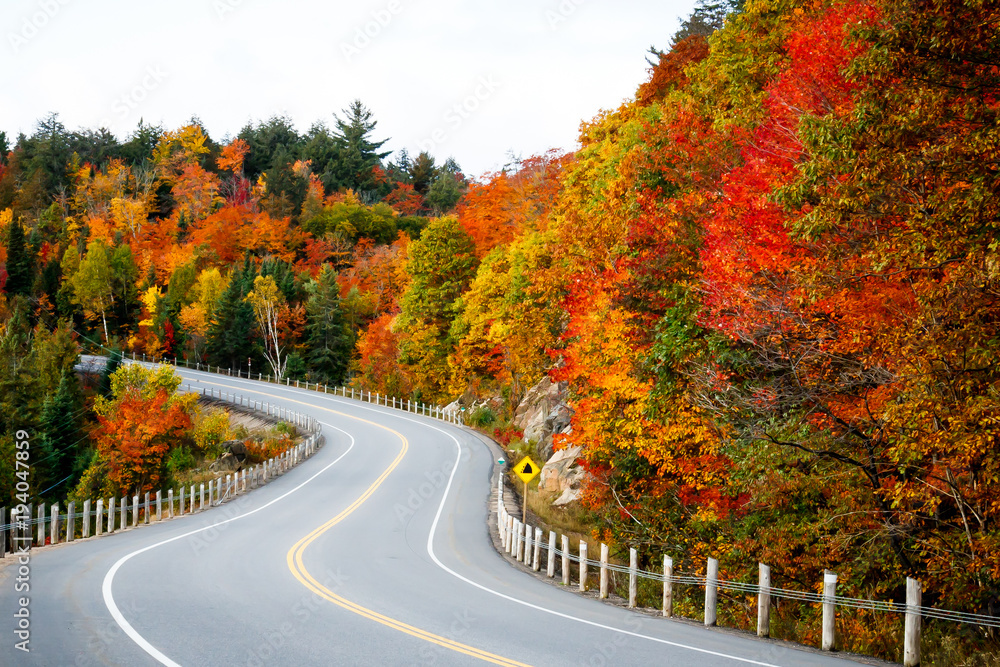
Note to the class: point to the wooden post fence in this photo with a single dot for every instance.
(668, 586)
(829, 611)
(763, 601)
(711, 592)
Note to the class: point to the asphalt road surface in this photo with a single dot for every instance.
(376, 551)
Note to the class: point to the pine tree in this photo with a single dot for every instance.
(61, 435)
(329, 339)
(114, 361)
(20, 261)
(231, 336)
(357, 154)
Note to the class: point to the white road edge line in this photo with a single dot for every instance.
(430, 552)
(109, 600)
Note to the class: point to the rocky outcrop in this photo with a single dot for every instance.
(543, 413)
(561, 474)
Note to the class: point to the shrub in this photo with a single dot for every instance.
(482, 417)
(210, 431)
(180, 459)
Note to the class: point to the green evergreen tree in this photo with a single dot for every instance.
(231, 336)
(20, 261)
(357, 153)
(444, 193)
(329, 339)
(422, 172)
(114, 361)
(60, 436)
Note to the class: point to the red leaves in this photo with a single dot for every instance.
(668, 73)
(404, 199)
(498, 211)
(134, 439)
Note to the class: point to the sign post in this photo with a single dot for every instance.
(526, 470)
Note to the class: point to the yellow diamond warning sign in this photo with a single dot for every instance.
(527, 469)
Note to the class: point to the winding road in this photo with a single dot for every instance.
(376, 551)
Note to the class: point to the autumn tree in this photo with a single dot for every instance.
(441, 265)
(197, 316)
(511, 317)
(93, 287)
(137, 427)
(267, 300)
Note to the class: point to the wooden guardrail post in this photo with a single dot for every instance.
(911, 638)
(145, 508)
(54, 524)
(502, 524)
(201, 504)
(711, 592)
(170, 503)
(763, 600)
(111, 514)
(829, 611)
(123, 524)
(550, 569)
(135, 510)
(668, 586)
(633, 579)
(40, 538)
(70, 521)
(85, 533)
(604, 571)
(583, 566)
(565, 560)
(159, 505)
(536, 560)
(99, 516)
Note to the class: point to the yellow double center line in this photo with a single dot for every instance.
(299, 571)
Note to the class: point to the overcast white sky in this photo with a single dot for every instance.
(472, 80)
